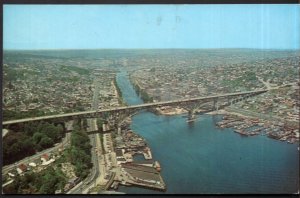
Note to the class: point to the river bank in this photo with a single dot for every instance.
(145, 174)
(224, 112)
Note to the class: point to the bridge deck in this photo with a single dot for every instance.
(130, 107)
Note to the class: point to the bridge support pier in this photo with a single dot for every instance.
(216, 105)
(191, 116)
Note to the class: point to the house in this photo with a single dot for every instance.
(45, 163)
(45, 157)
(32, 164)
(22, 168)
(11, 175)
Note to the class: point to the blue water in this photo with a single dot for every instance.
(128, 92)
(200, 158)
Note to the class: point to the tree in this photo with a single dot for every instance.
(16, 146)
(37, 137)
(80, 152)
(46, 142)
(28, 146)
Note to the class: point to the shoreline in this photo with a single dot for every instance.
(179, 111)
(173, 111)
(247, 118)
(140, 146)
(224, 112)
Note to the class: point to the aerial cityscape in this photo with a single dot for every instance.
(148, 118)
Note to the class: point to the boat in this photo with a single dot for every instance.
(241, 132)
(157, 166)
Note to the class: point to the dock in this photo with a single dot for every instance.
(143, 176)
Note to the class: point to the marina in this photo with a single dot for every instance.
(251, 127)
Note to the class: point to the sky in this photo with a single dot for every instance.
(151, 26)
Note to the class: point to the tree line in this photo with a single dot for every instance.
(142, 93)
(31, 138)
(13, 115)
(79, 153)
(120, 98)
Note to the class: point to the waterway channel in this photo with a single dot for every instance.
(200, 158)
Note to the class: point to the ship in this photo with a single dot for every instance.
(157, 166)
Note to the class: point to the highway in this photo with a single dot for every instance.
(91, 180)
(132, 107)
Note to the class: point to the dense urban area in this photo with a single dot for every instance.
(96, 155)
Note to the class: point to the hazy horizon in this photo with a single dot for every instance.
(269, 49)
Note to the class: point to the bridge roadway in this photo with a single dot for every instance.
(132, 107)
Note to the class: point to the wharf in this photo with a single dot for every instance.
(138, 167)
(148, 163)
(143, 176)
(148, 186)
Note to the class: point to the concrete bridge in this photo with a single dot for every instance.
(189, 103)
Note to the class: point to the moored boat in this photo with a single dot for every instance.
(157, 166)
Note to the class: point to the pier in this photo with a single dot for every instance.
(132, 174)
